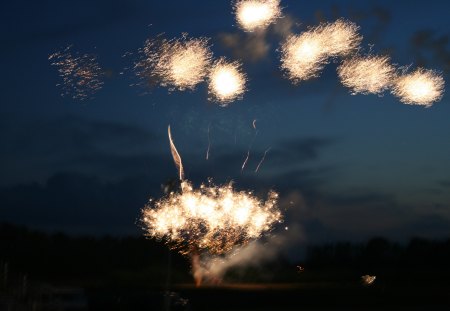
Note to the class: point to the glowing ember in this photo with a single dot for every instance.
(211, 218)
(81, 74)
(368, 279)
(340, 38)
(367, 75)
(226, 82)
(422, 87)
(303, 56)
(254, 14)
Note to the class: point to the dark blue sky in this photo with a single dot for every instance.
(348, 166)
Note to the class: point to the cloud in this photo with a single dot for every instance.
(35, 150)
(247, 47)
(444, 183)
(424, 42)
(77, 203)
(256, 46)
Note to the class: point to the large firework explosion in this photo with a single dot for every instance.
(212, 219)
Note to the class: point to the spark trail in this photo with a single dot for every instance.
(176, 156)
(209, 142)
(250, 146)
(262, 159)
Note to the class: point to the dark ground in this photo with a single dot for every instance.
(56, 272)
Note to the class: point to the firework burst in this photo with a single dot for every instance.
(367, 75)
(340, 38)
(81, 74)
(256, 14)
(212, 218)
(303, 56)
(226, 82)
(179, 64)
(421, 87)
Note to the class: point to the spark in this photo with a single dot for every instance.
(303, 56)
(368, 279)
(179, 63)
(176, 156)
(262, 160)
(254, 124)
(211, 218)
(300, 269)
(226, 82)
(256, 14)
(367, 75)
(81, 74)
(421, 87)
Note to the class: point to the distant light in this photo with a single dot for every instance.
(368, 279)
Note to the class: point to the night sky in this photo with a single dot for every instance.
(346, 166)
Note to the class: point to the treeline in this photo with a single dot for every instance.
(380, 252)
(141, 261)
(59, 257)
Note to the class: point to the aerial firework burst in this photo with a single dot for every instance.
(421, 87)
(179, 64)
(226, 82)
(303, 56)
(81, 74)
(367, 75)
(340, 38)
(256, 14)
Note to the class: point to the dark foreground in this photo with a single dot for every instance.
(243, 297)
(43, 272)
